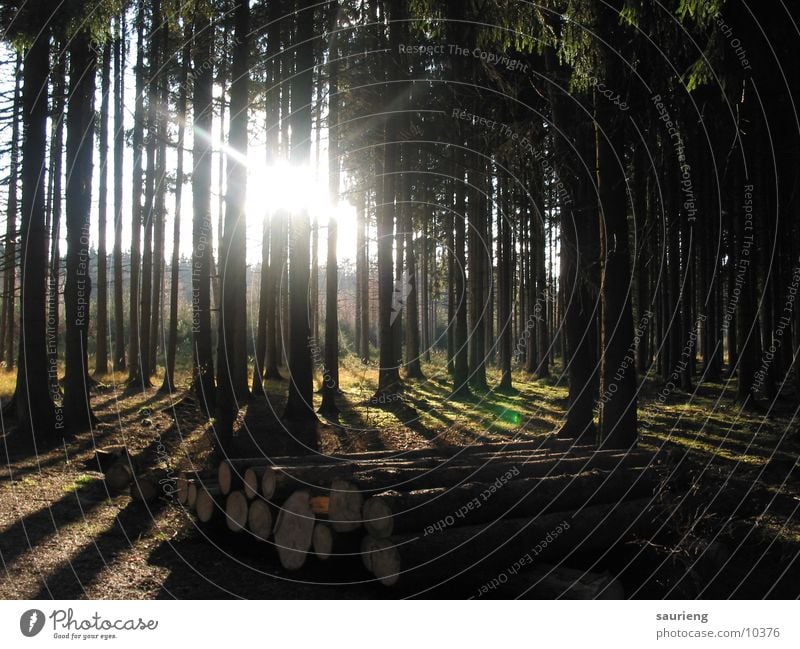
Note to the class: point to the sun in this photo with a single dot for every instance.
(284, 187)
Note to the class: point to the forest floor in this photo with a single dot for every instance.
(733, 488)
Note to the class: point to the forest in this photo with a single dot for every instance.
(386, 298)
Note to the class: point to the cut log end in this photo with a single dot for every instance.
(251, 483)
(205, 506)
(386, 563)
(225, 477)
(268, 483)
(259, 519)
(378, 519)
(294, 530)
(236, 511)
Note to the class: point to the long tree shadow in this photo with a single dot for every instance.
(263, 433)
(150, 399)
(70, 580)
(409, 417)
(40, 525)
(354, 432)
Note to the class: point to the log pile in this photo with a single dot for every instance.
(420, 518)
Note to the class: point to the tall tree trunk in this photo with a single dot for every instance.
(137, 140)
(203, 380)
(174, 282)
(314, 278)
(80, 144)
(56, 166)
(505, 270)
(160, 211)
(330, 378)
(450, 252)
(476, 261)
(263, 310)
(8, 318)
(642, 259)
(744, 218)
(276, 252)
(279, 222)
(425, 325)
(543, 297)
(617, 416)
(412, 365)
(119, 151)
(388, 374)
(362, 275)
(459, 297)
(232, 351)
(101, 331)
(299, 405)
(150, 200)
(578, 219)
(400, 286)
(34, 406)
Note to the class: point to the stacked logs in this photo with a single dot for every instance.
(420, 517)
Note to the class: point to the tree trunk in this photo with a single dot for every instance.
(425, 302)
(330, 377)
(80, 144)
(174, 283)
(203, 380)
(274, 238)
(476, 263)
(263, 310)
(56, 166)
(362, 276)
(577, 239)
(460, 367)
(543, 301)
(149, 293)
(617, 416)
(232, 350)
(642, 259)
(8, 317)
(134, 343)
(412, 365)
(505, 269)
(101, 331)
(300, 402)
(119, 151)
(36, 415)
(160, 213)
(277, 260)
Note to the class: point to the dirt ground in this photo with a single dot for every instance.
(731, 493)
